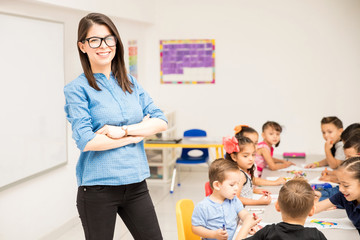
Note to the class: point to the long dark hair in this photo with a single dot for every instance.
(243, 141)
(118, 63)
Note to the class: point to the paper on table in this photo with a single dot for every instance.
(291, 168)
(302, 168)
(272, 178)
(318, 181)
(318, 169)
(274, 197)
(321, 223)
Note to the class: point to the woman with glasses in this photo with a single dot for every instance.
(110, 114)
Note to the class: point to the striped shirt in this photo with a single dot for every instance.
(88, 110)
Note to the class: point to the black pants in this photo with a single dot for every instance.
(98, 206)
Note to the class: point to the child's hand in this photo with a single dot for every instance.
(280, 181)
(325, 178)
(288, 164)
(266, 200)
(325, 172)
(329, 144)
(254, 229)
(311, 165)
(261, 191)
(221, 234)
(317, 196)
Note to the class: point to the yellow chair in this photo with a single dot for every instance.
(184, 210)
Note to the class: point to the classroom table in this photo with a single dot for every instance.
(270, 215)
(191, 143)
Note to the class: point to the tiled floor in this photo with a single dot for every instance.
(192, 187)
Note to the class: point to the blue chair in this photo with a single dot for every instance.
(186, 157)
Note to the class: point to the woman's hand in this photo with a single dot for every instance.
(147, 117)
(111, 131)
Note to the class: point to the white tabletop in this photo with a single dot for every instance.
(270, 215)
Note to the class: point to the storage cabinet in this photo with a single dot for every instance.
(162, 160)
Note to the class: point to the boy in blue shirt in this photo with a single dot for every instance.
(216, 217)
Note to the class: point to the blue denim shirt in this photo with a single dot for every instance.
(88, 110)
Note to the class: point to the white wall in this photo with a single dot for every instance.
(290, 61)
(38, 207)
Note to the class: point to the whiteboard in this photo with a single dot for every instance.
(33, 125)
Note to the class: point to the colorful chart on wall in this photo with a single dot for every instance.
(133, 69)
(187, 61)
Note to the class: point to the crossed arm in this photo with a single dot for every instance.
(110, 137)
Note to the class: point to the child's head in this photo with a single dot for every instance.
(224, 177)
(246, 131)
(348, 175)
(349, 131)
(331, 128)
(241, 150)
(271, 133)
(352, 144)
(296, 199)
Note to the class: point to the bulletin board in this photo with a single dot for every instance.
(187, 61)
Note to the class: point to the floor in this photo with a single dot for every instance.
(192, 187)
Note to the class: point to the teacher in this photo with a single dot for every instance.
(110, 114)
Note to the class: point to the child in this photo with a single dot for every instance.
(295, 203)
(349, 196)
(331, 128)
(246, 131)
(351, 149)
(241, 150)
(352, 145)
(264, 157)
(349, 131)
(216, 216)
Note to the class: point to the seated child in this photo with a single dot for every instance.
(352, 145)
(351, 149)
(295, 203)
(348, 175)
(331, 128)
(241, 150)
(246, 131)
(349, 131)
(264, 156)
(216, 217)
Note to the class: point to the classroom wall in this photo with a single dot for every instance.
(44, 206)
(290, 61)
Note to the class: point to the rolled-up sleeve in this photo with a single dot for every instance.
(147, 102)
(77, 113)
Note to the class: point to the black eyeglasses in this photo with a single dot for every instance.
(95, 42)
